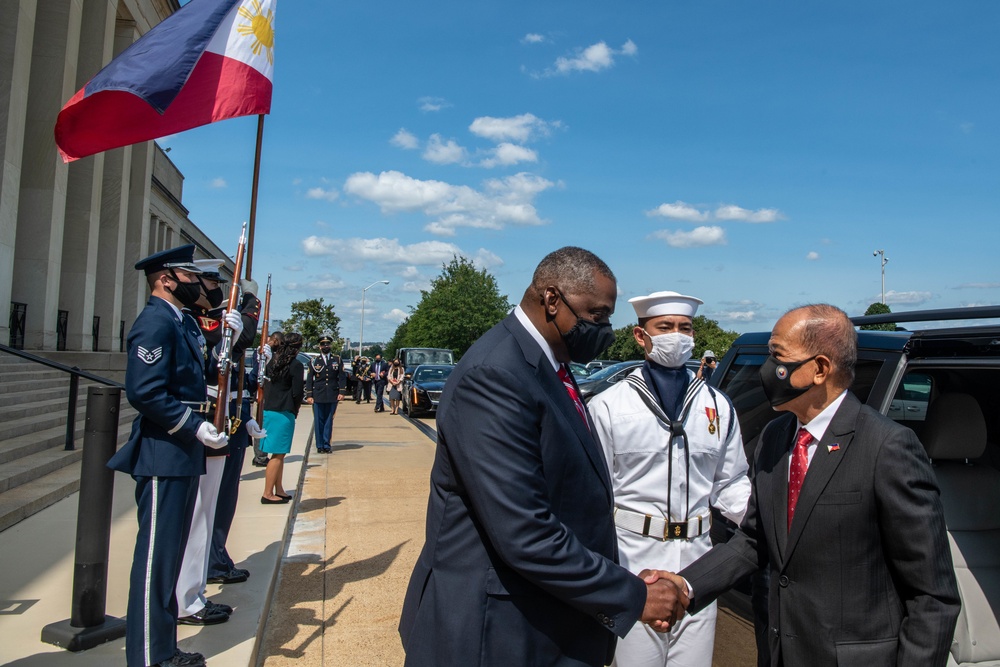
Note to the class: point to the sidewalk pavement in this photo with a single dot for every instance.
(36, 575)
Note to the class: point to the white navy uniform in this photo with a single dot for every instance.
(709, 470)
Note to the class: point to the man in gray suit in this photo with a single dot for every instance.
(519, 567)
(846, 511)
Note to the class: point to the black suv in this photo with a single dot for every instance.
(944, 383)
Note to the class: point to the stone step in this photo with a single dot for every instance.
(33, 372)
(39, 394)
(34, 496)
(36, 439)
(29, 468)
(27, 385)
(42, 406)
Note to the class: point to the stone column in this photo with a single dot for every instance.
(42, 202)
(83, 193)
(114, 223)
(135, 291)
(17, 32)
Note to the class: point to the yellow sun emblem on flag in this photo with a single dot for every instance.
(261, 26)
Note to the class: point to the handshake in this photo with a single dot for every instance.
(666, 599)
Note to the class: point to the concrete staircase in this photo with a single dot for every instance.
(35, 469)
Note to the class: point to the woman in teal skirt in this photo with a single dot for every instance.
(283, 395)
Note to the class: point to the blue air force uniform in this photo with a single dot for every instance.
(164, 381)
(326, 380)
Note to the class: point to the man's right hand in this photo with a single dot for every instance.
(666, 599)
(210, 437)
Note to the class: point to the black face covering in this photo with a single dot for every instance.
(587, 340)
(215, 296)
(187, 293)
(776, 378)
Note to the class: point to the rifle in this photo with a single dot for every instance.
(261, 366)
(225, 363)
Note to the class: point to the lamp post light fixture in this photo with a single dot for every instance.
(884, 261)
(361, 340)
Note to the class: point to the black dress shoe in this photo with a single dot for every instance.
(182, 659)
(224, 608)
(260, 462)
(234, 576)
(207, 616)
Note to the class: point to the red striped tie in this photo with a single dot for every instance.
(797, 470)
(571, 390)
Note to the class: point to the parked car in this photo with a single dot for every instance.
(579, 371)
(422, 389)
(598, 364)
(411, 357)
(944, 383)
(604, 378)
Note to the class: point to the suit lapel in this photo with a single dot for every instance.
(563, 405)
(824, 464)
(778, 447)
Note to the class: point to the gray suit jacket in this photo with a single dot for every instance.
(864, 576)
(519, 563)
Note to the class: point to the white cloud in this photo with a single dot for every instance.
(696, 238)
(678, 211)
(218, 183)
(507, 154)
(323, 284)
(320, 193)
(354, 254)
(443, 152)
(731, 212)
(522, 128)
(912, 298)
(533, 38)
(294, 267)
(967, 127)
(430, 104)
(594, 58)
(396, 315)
(812, 256)
(414, 287)
(403, 139)
(503, 201)
(977, 286)
(736, 316)
(724, 213)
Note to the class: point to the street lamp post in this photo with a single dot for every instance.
(884, 261)
(361, 340)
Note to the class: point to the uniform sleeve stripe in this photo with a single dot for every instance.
(187, 414)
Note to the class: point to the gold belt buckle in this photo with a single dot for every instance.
(234, 424)
(676, 531)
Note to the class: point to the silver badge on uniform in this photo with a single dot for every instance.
(149, 357)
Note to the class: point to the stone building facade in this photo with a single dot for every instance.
(70, 233)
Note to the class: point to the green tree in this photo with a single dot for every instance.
(372, 350)
(624, 348)
(398, 339)
(462, 304)
(708, 335)
(879, 308)
(311, 318)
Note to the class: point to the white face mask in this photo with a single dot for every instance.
(671, 349)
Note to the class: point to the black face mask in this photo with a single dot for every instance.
(776, 378)
(587, 340)
(325, 349)
(187, 293)
(215, 296)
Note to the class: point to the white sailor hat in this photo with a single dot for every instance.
(210, 268)
(665, 303)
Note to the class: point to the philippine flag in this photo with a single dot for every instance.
(211, 60)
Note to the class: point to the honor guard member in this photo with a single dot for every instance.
(674, 450)
(325, 385)
(165, 452)
(193, 608)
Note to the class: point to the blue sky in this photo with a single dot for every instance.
(751, 154)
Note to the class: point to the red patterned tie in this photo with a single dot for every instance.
(797, 470)
(571, 390)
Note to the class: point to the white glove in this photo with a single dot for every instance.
(235, 322)
(249, 287)
(254, 430)
(268, 355)
(210, 437)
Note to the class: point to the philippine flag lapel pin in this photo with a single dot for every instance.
(833, 448)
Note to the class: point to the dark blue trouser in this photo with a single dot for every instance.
(323, 423)
(164, 508)
(219, 561)
(380, 393)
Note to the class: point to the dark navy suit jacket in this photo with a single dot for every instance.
(864, 576)
(165, 369)
(519, 564)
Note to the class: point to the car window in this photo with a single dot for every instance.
(611, 370)
(909, 404)
(742, 384)
(432, 374)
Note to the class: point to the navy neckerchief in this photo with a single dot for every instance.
(669, 385)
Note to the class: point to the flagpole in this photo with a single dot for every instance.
(253, 195)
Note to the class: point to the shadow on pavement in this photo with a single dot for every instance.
(345, 447)
(312, 504)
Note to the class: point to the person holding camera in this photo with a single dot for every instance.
(707, 366)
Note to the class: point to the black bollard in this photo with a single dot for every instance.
(88, 625)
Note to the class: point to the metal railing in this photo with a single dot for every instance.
(74, 386)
